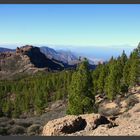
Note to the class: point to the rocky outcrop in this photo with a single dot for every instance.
(68, 124)
(125, 124)
(71, 124)
(26, 60)
(23, 49)
(128, 125)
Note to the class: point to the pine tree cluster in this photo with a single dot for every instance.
(110, 79)
(33, 93)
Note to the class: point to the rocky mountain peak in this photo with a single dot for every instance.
(23, 49)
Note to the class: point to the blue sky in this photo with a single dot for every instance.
(95, 31)
(79, 25)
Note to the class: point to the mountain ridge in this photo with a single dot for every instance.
(3, 49)
(26, 59)
(61, 55)
(67, 57)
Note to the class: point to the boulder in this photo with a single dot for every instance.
(71, 124)
(94, 120)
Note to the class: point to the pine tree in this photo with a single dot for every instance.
(135, 67)
(123, 59)
(81, 99)
(126, 74)
(113, 81)
(7, 108)
(40, 101)
(95, 77)
(101, 79)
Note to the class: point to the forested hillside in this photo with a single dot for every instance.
(32, 94)
(118, 75)
(111, 79)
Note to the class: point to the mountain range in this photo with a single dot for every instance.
(66, 57)
(2, 49)
(31, 59)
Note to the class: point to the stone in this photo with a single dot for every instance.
(71, 124)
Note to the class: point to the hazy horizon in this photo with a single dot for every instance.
(92, 52)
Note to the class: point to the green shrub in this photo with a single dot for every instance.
(131, 101)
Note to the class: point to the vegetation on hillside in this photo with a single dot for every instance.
(32, 94)
(81, 98)
(118, 75)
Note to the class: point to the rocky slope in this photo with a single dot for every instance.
(110, 121)
(27, 59)
(95, 125)
(66, 57)
(127, 124)
(124, 122)
(71, 124)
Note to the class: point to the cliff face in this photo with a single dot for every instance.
(40, 60)
(27, 59)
